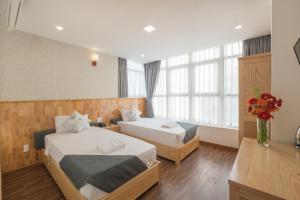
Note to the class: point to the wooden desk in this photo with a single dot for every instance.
(261, 173)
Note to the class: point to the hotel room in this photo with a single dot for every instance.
(149, 99)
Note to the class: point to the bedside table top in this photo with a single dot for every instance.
(111, 125)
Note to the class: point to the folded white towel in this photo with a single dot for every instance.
(113, 145)
(169, 125)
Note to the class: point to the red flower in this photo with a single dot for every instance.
(279, 103)
(266, 96)
(264, 115)
(252, 101)
(274, 99)
(271, 105)
(250, 109)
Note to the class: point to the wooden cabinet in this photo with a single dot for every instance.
(254, 71)
(261, 173)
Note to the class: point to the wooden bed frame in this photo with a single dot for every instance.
(130, 190)
(175, 154)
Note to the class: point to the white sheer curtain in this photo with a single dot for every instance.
(160, 98)
(178, 100)
(201, 86)
(231, 53)
(136, 79)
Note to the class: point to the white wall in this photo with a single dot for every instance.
(36, 68)
(3, 14)
(285, 68)
(222, 136)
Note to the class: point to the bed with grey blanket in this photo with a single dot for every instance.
(190, 131)
(105, 172)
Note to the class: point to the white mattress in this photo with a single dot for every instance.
(151, 129)
(58, 145)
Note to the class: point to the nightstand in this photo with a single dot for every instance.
(112, 127)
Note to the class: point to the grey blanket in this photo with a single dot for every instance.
(190, 130)
(106, 172)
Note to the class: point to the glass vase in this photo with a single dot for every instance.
(262, 135)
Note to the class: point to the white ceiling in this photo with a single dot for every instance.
(116, 26)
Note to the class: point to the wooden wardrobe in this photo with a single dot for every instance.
(254, 71)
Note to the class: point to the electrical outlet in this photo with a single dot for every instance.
(25, 148)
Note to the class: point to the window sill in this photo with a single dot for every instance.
(216, 126)
(135, 97)
(212, 125)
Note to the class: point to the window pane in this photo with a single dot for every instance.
(179, 108)
(231, 104)
(233, 49)
(161, 86)
(207, 110)
(136, 79)
(163, 64)
(231, 75)
(179, 80)
(206, 78)
(160, 106)
(207, 54)
(131, 65)
(178, 60)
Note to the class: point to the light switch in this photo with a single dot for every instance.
(99, 119)
(25, 148)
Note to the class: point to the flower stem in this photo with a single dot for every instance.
(262, 131)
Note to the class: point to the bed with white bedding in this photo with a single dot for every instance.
(58, 145)
(151, 129)
(169, 141)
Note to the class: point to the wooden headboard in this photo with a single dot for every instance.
(18, 121)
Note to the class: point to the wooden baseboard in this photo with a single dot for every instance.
(219, 146)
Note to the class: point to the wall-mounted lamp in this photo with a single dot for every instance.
(94, 60)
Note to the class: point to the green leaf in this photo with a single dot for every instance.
(256, 91)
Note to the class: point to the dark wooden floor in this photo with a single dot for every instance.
(202, 175)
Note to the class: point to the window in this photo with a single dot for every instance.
(201, 86)
(160, 100)
(231, 53)
(136, 79)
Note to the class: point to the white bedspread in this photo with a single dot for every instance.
(151, 129)
(58, 145)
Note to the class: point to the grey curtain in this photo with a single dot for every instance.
(123, 79)
(151, 78)
(257, 45)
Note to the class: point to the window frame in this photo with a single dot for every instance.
(191, 94)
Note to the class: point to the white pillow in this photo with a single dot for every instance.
(72, 124)
(124, 114)
(130, 115)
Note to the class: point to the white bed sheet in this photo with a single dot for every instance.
(151, 129)
(58, 145)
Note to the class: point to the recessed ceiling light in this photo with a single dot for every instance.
(149, 28)
(143, 55)
(238, 27)
(60, 28)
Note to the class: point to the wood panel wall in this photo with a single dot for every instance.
(254, 71)
(18, 121)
